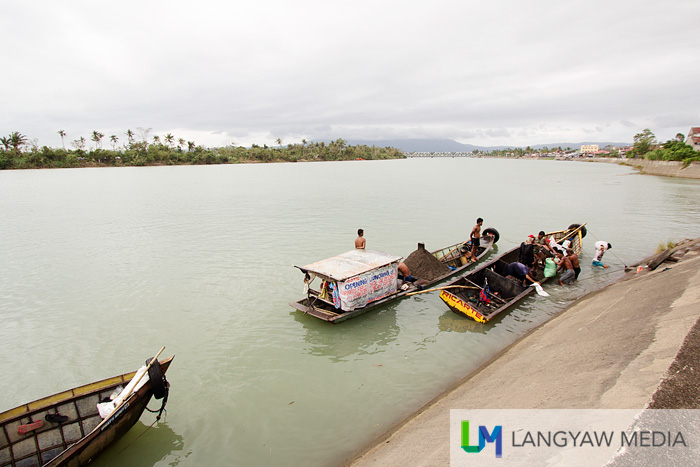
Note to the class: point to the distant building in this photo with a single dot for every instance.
(623, 151)
(693, 138)
(589, 149)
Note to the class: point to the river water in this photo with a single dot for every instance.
(102, 267)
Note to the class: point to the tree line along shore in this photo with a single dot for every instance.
(18, 152)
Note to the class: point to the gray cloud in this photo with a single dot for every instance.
(511, 73)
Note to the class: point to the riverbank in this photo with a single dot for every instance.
(630, 345)
(664, 168)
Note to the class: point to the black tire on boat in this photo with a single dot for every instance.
(158, 382)
(494, 232)
(576, 226)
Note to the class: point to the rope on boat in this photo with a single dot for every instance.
(510, 241)
(161, 390)
(159, 386)
(131, 442)
(601, 273)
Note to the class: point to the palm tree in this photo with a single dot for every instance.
(130, 136)
(63, 135)
(279, 141)
(156, 139)
(190, 146)
(169, 138)
(97, 138)
(5, 142)
(79, 143)
(114, 141)
(144, 134)
(17, 140)
(181, 142)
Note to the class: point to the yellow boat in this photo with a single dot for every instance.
(485, 292)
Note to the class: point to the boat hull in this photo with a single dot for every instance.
(462, 295)
(82, 437)
(453, 256)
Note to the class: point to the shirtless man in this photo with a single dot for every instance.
(565, 262)
(360, 240)
(543, 241)
(474, 237)
(574, 262)
(405, 273)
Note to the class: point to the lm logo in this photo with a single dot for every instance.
(484, 437)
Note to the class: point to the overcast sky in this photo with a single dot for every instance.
(502, 72)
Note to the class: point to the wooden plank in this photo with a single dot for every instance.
(51, 400)
(12, 413)
(656, 262)
(98, 386)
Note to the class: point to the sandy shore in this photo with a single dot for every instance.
(630, 345)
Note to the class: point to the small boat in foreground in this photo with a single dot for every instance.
(485, 292)
(67, 429)
(360, 280)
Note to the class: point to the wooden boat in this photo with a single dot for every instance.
(66, 429)
(358, 281)
(464, 294)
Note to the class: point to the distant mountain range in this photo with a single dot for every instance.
(448, 145)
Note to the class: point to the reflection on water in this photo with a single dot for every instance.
(452, 322)
(353, 338)
(145, 446)
(101, 267)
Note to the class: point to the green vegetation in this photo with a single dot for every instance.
(545, 152)
(645, 146)
(17, 153)
(667, 246)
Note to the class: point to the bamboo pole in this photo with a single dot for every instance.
(443, 288)
(155, 360)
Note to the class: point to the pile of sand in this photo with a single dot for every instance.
(425, 266)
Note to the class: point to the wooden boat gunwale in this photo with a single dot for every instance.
(464, 309)
(81, 438)
(327, 314)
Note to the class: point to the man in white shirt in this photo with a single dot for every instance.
(600, 249)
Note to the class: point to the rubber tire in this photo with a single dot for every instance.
(583, 230)
(494, 232)
(155, 375)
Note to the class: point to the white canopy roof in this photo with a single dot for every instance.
(351, 264)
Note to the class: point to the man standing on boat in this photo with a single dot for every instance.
(527, 252)
(474, 237)
(360, 240)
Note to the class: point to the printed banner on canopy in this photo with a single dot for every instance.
(368, 287)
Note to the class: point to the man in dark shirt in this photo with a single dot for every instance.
(527, 252)
(521, 272)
